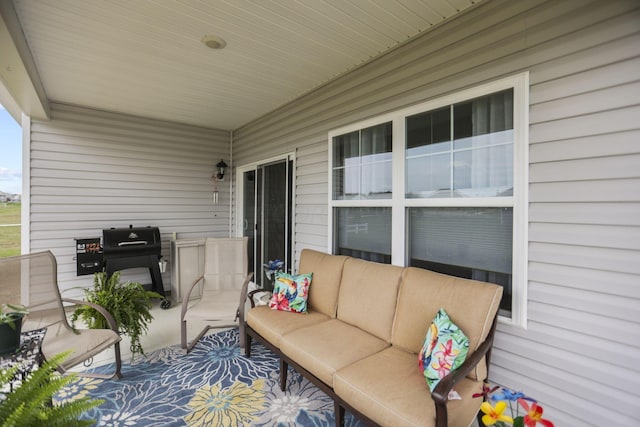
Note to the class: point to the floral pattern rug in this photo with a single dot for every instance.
(214, 385)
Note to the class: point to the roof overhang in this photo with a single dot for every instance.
(20, 87)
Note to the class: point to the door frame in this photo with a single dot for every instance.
(239, 199)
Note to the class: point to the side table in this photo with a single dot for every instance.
(28, 357)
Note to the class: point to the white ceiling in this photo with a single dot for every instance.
(145, 57)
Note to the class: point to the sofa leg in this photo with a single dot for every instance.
(284, 368)
(339, 411)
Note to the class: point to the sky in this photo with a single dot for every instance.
(10, 153)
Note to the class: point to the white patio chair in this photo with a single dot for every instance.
(224, 289)
(35, 278)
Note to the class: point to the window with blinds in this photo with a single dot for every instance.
(440, 185)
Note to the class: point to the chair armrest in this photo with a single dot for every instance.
(440, 394)
(187, 297)
(243, 297)
(100, 309)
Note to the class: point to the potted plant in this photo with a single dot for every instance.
(30, 403)
(129, 304)
(11, 316)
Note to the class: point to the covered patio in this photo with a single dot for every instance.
(126, 111)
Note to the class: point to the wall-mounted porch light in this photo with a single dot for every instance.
(220, 169)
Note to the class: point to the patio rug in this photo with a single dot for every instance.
(214, 385)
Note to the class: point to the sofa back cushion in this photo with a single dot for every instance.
(472, 305)
(327, 272)
(368, 295)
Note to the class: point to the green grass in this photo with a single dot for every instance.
(9, 236)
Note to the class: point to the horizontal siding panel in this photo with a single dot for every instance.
(311, 228)
(586, 147)
(315, 240)
(314, 199)
(313, 189)
(614, 283)
(613, 190)
(618, 47)
(69, 229)
(315, 148)
(118, 199)
(608, 75)
(313, 158)
(586, 379)
(601, 236)
(617, 260)
(122, 154)
(178, 209)
(312, 179)
(118, 135)
(312, 209)
(96, 178)
(314, 219)
(601, 123)
(615, 167)
(545, 335)
(314, 169)
(598, 303)
(586, 213)
(612, 98)
(115, 192)
(171, 186)
(585, 323)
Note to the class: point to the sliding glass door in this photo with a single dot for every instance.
(267, 215)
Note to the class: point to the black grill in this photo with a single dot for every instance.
(134, 247)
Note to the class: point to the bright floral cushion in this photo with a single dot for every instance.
(290, 292)
(445, 348)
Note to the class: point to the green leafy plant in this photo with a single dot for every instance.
(9, 313)
(129, 304)
(30, 404)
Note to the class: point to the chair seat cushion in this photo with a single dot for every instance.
(273, 324)
(215, 305)
(83, 345)
(324, 348)
(389, 387)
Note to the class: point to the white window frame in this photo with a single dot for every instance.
(399, 203)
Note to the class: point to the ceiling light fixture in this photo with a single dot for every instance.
(213, 42)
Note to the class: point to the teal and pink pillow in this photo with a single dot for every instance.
(444, 350)
(290, 293)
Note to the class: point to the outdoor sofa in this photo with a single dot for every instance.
(364, 328)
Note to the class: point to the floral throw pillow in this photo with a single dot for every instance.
(290, 292)
(444, 350)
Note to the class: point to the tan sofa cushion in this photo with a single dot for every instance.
(327, 271)
(368, 294)
(324, 348)
(389, 388)
(272, 324)
(470, 304)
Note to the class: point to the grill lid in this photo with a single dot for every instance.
(145, 240)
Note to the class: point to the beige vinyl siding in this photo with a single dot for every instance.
(92, 170)
(581, 347)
